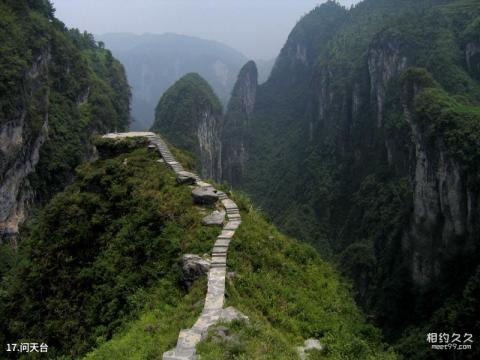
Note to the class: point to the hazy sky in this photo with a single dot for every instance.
(258, 28)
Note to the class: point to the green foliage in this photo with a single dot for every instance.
(108, 149)
(99, 251)
(331, 151)
(182, 107)
(98, 272)
(455, 121)
(290, 295)
(49, 72)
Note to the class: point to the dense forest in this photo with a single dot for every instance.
(57, 88)
(364, 142)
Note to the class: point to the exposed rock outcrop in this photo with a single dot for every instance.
(57, 89)
(445, 203)
(310, 344)
(472, 57)
(189, 115)
(230, 314)
(216, 218)
(194, 267)
(186, 178)
(20, 147)
(240, 108)
(385, 62)
(205, 195)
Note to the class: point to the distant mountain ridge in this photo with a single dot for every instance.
(155, 62)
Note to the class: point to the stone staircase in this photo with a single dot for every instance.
(214, 300)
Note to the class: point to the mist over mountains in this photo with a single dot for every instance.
(154, 62)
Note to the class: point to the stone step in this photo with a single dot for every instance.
(232, 225)
(188, 339)
(229, 204)
(218, 266)
(172, 355)
(214, 300)
(203, 184)
(219, 251)
(233, 217)
(226, 234)
(222, 195)
(222, 242)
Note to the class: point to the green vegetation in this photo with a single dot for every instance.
(100, 251)
(290, 295)
(48, 71)
(332, 154)
(99, 270)
(181, 109)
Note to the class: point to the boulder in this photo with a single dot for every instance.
(230, 314)
(186, 178)
(205, 195)
(152, 148)
(193, 267)
(310, 344)
(216, 218)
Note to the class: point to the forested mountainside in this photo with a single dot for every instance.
(57, 88)
(189, 113)
(155, 62)
(99, 271)
(364, 142)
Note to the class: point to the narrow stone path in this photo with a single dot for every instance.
(214, 300)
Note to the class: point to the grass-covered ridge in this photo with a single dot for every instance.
(288, 292)
(100, 252)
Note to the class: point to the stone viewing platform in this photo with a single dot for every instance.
(203, 194)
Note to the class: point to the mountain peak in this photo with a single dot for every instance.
(245, 89)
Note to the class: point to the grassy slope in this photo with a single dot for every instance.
(289, 293)
(113, 240)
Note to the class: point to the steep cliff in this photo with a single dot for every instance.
(189, 115)
(235, 124)
(57, 88)
(355, 149)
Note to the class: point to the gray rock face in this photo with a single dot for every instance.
(443, 207)
(241, 106)
(205, 195)
(472, 57)
(214, 219)
(209, 144)
(194, 267)
(20, 150)
(186, 178)
(385, 62)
